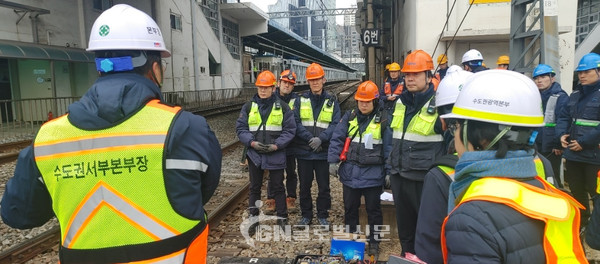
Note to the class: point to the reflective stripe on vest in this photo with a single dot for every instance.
(274, 120)
(307, 117)
(587, 123)
(387, 89)
(99, 180)
(598, 183)
(373, 129)
(449, 171)
(549, 113)
(558, 210)
(291, 103)
(420, 128)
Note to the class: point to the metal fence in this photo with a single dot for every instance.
(25, 116)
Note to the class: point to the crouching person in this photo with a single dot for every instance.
(363, 138)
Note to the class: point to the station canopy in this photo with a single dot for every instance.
(290, 45)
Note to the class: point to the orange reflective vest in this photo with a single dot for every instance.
(558, 210)
(387, 88)
(100, 180)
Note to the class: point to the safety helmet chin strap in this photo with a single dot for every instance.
(492, 143)
(498, 137)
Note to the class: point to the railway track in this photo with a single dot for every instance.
(232, 193)
(50, 239)
(10, 151)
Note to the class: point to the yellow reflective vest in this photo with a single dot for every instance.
(357, 151)
(420, 128)
(558, 210)
(99, 181)
(306, 114)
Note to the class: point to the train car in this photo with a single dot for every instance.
(278, 64)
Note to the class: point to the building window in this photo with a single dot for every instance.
(176, 22)
(102, 4)
(231, 37)
(210, 8)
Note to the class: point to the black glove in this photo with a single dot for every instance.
(270, 148)
(259, 146)
(314, 143)
(388, 182)
(333, 169)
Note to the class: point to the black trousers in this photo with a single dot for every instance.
(307, 170)
(372, 204)
(582, 181)
(276, 183)
(291, 178)
(407, 199)
(555, 161)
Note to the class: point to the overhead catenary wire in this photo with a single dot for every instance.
(455, 32)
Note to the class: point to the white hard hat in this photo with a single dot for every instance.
(500, 97)
(123, 27)
(472, 55)
(450, 85)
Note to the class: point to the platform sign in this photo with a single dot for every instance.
(370, 37)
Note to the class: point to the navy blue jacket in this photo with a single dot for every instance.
(352, 173)
(584, 103)
(416, 157)
(289, 150)
(111, 100)
(303, 135)
(384, 98)
(434, 208)
(546, 139)
(432, 211)
(273, 160)
(592, 234)
(486, 232)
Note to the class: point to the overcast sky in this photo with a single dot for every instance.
(263, 4)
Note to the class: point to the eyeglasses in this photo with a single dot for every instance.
(164, 64)
(452, 127)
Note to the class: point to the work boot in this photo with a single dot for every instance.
(304, 221)
(323, 221)
(291, 204)
(270, 206)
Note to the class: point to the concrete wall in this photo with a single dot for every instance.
(486, 28)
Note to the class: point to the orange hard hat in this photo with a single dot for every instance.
(394, 66)
(366, 91)
(265, 79)
(418, 61)
(288, 76)
(314, 71)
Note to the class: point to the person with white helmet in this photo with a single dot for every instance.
(554, 99)
(473, 61)
(434, 201)
(501, 209)
(95, 167)
(579, 132)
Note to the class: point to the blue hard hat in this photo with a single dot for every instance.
(542, 69)
(589, 61)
